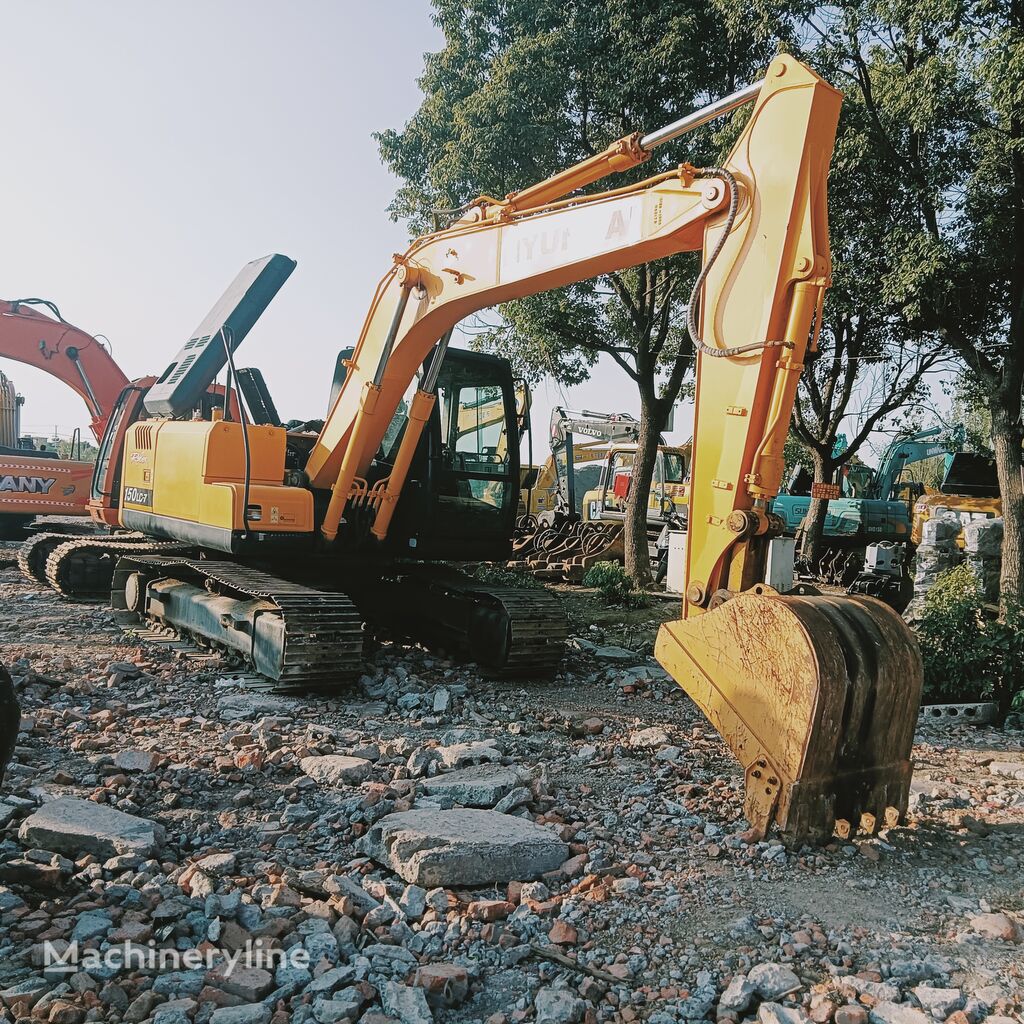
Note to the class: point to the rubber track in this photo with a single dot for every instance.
(63, 566)
(323, 631)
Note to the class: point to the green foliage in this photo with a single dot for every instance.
(521, 91)
(967, 654)
(503, 576)
(795, 453)
(616, 587)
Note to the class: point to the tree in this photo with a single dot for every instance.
(525, 88)
(941, 83)
(871, 363)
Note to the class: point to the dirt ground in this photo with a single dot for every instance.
(623, 767)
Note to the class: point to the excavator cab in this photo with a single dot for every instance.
(463, 491)
(106, 475)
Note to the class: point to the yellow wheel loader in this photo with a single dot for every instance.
(817, 696)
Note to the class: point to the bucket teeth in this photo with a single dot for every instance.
(818, 699)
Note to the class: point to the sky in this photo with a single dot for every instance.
(152, 150)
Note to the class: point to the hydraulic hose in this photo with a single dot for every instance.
(224, 333)
(694, 306)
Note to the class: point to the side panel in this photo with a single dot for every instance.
(186, 480)
(43, 487)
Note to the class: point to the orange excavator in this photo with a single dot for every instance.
(35, 483)
(289, 538)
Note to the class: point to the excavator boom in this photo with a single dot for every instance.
(31, 485)
(65, 352)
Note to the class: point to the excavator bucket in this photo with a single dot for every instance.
(818, 699)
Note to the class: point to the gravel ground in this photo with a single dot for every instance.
(255, 818)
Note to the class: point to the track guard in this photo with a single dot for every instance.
(816, 696)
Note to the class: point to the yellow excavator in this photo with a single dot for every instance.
(816, 695)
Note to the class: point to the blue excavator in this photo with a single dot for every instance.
(873, 506)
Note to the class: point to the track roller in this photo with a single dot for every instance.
(297, 637)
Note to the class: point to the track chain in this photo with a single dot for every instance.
(323, 631)
(82, 569)
(433, 606)
(538, 626)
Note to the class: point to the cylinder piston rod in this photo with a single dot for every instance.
(700, 117)
(620, 156)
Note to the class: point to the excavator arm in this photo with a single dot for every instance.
(916, 448)
(65, 352)
(817, 696)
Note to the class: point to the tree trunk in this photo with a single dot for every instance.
(1006, 441)
(813, 546)
(638, 559)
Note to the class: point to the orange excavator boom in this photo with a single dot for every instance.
(63, 351)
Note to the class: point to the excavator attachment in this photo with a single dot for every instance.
(817, 696)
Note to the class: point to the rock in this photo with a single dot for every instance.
(218, 864)
(1007, 769)
(463, 847)
(772, 981)
(336, 769)
(852, 1013)
(254, 705)
(489, 910)
(75, 827)
(737, 995)
(446, 985)
(477, 786)
(558, 1006)
(897, 1013)
(776, 1013)
(608, 653)
(136, 760)
(413, 902)
(30, 991)
(996, 926)
(252, 1013)
(939, 1002)
(344, 1006)
(519, 797)
(879, 991)
(342, 885)
(91, 925)
(331, 980)
(248, 983)
(458, 755)
(649, 739)
(141, 1007)
(407, 1004)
